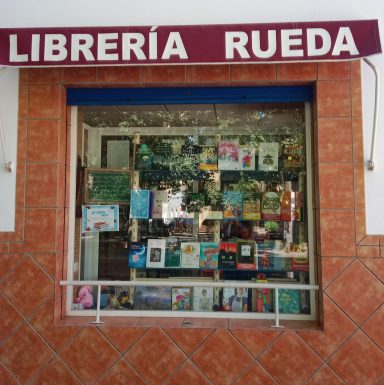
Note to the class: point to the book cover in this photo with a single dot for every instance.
(247, 158)
(190, 255)
(227, 255)
(293, 156)
(261, 297)
(209, 255)
(235, 299)
(290, 206)
(156, 253)
(289, 301)
(194, 202)
(174, 208)
(266, 256)
(172, 253)
(181, 298)
(252, 206)
(246, 255)
(270, 206)
(299, 256)
(162, 152)
(143, 158)
(232, 204)
(208, 158)
(140, 204)
(152, 298)
(269, 156)
(228, 155)
(159, 206)
(202, 299)
(137, 255)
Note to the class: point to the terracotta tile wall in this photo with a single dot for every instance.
(35, 349)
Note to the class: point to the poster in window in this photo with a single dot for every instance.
(100, 218)
(140, 204)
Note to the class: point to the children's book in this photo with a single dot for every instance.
(232, 204)
(235, 299)
(246, 158)
(227, 255)
(152, 298)
(289, 301)
(202, 299)
(261, 297)
(137, 255)
(140, 204)
(246, 255)
(290, 206)
(266, 256)
(209, 255)
(228, 155)
(190, 255)
(270, 206)
(252, 206)
(156, 253)
(143, 158)
(162, 151)
(269, 156)
(299, 256)
(208, 158)
(159, 206)
(181, 298)
(293, 156)
(172, 253)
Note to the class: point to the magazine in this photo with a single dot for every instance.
(156, 253)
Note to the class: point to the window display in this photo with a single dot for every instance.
(195, 193)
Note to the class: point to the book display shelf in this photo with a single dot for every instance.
(199, 204)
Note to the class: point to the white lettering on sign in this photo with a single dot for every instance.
(345, 42)
(82, 42)
(321, 34)
(291, 38)
(54, 47)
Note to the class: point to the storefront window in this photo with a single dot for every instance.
(193, 193)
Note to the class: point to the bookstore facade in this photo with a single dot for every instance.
(192, 203)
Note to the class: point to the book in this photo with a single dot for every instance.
(159, 203)
(140, 204)
(228, 155)
(190, 255)
(152, 298)
(208, 158)
(202, 299)
(209, 255)
(181, 298)
(293, 156)
(252, 206)
(235, 299)
(162, 151)
(194, 202)
(261, 297)
(227, 255)
(289, 301)
(246, 158)
(266, 256)
(270, 206)
(299, 256)
(290, 206)
(174, 208)
(143, 158)
(269, 156)
(156, 253)
(246, 255)
(232, 204)
(137, 255)
(172, 253)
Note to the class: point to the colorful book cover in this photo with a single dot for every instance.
(246, 255)
(228, 155)
(209, 255)
(293, 156)
(290, 206)
(137, 255)
(270, 206)
(143, 158)
(208, 158)
(202, 298)
(247, 158)
(140, 204)
(235, 299)
(227, 255)
(162, 152)
(269, 156)
(172, 253)
(190, 255)
(152, 298)
(299, 256)
(266, 256)
(232, 204)
(261, 297)
(289, 301)
(156, 253)
(181, 298)
(252, 206)
(159, 206)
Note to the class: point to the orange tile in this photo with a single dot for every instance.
(325, 376)
(119, 374)
(4, 247)
(156, 322)
(10, 319)
(356, 69)
(253, 72)
(334, 70)
(122, 337)
(358, 150)
(256, 374)
(60, 230)
(4, 237)
(370, 240)
(207, 73)
(373, 327)
(119, 75)
(334, 138)
(43, 76)
(23, 75)
(211, 323)
(43, 102)
(23, 102)
(163, 74)
(360, 225)
(368, 251)
(333, 98)
(18, 234)
(359, 361)
(20, 185)
(188, 339)
(356, 97)
(297, 71)
(337, 229)
(21, 142)
(336, 186)
(47, 261)
(331, 267)
(84, 75)
(63, 148)
(358, 185)
(9, 262)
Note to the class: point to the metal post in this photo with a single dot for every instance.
(277, 319)
(97, 321)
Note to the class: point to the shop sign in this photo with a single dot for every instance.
(241, 43)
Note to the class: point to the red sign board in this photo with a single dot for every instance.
(241, 43)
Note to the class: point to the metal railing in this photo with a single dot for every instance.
(232, 284)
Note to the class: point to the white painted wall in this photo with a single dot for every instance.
(48, 13)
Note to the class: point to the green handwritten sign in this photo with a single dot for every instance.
(107, 186)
